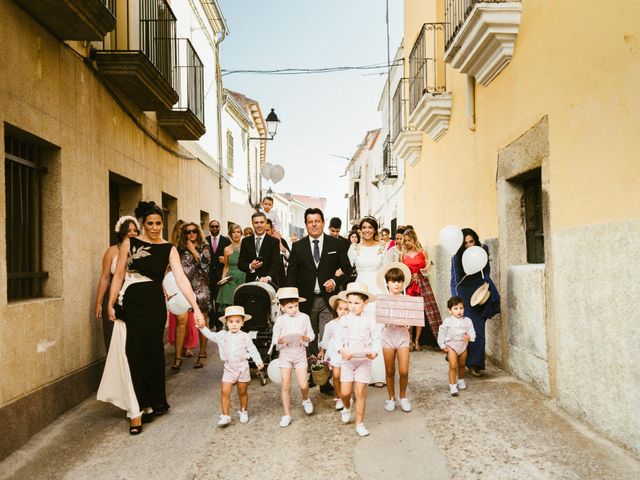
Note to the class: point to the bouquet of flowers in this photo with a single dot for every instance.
(319, 370)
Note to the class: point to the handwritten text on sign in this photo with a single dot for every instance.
(400, 310)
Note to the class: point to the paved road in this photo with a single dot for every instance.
(499, 428)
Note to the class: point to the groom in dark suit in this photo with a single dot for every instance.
(313, 264)
(260, 253)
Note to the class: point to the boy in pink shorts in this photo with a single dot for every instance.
(358, 344)
(454, 335)
(292, 333)
(234, 347)
(396, 341)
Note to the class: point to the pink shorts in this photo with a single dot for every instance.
(356, 370)
(293, 357)
(236, 372)
(458, 346)
(395, 337)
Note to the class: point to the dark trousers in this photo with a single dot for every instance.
(320, 315)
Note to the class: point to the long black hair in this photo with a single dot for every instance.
(467, 232)
(144, 209)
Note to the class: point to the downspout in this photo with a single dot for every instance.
(219, 92)
(471, 103)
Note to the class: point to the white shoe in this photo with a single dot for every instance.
(285, 421)
(405, 405)
(461, 384)
(244, 416)
(454, 390)
(390, 405)
(339, 404)
(224, 420)
(345, 415)
(308, 406)
(361, 430)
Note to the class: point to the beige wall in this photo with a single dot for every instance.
(48, 91)
(578, 65)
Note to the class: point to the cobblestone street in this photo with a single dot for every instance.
(499, 428)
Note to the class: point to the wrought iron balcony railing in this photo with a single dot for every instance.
(427, 72)
(455, 14)
(189, 80)
(397, 120)
(158, 36)
(389, 162)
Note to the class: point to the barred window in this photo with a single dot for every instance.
(23, 199)
(532, 200)
(229, 152)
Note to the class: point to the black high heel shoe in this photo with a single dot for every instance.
(135, 429)
(177, 363)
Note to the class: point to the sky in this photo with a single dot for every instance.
(320, 114)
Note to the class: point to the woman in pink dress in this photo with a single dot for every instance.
(414, 257)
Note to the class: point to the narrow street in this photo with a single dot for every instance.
(499, 428)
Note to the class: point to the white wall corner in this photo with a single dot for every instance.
(484, 45)
(432, 114)
(408, 146)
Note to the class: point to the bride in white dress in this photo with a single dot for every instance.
(367, 257)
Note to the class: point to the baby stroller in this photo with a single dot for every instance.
(259, 301)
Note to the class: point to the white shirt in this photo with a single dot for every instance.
(330, 339)
(286, 324)
(359, 334)
(320, 239)
(453, 330)
(233, 347)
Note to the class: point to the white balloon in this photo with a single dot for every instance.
(451, 238)
(273, 371)
(474, 259)
(178, 304)
(265, 170)
(277, 173)
(169, 284)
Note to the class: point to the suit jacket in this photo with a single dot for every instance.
(271, 259)
(215, 271)
(302, 271)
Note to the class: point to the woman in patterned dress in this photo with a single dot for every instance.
(414, 257)
(137, 286)
(195, 257)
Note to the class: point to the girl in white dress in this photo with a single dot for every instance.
(367, 257)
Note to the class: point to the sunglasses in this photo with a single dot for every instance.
(189, 232)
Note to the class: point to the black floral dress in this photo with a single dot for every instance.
(198, 274)
(145, 314)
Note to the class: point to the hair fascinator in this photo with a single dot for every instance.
(123, 219)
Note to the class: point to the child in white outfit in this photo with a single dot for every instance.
(328, 346)
(396, 340)
(454, 335)
(358, 345)
(292, 332)
(234, 346)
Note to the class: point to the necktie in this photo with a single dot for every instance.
(258, 245)
(316, 251)
(215, 243)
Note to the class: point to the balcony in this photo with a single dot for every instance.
(186, 120)
(140, 54)
(73, 19)
(406, 143)
(429, 101)
(354, 208)
(389, 164)
(481, 36)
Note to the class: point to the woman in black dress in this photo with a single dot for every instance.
(142, 263)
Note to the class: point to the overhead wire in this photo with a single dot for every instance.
(312, 71)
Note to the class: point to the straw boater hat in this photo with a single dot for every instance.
(286, 293)
(356, 287)
(234, 310)
(333, 300)
(481, 295)
(382, 283)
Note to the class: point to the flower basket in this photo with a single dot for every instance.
(319, 371)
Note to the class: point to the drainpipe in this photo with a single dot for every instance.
(219, 92)
(471, 103)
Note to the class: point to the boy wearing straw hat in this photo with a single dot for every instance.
(358, 345)
(292, 332)
(234, 347)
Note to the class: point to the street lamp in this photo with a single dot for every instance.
(272, 123)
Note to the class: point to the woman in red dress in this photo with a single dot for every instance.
(414, 257)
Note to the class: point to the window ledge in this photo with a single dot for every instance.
(30, 301)
(485, 43)
(432, 114)
(408, 146)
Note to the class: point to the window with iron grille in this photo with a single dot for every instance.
(23, 172)
(229, 153)
(532, 200)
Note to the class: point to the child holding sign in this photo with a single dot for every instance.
(396, 341)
